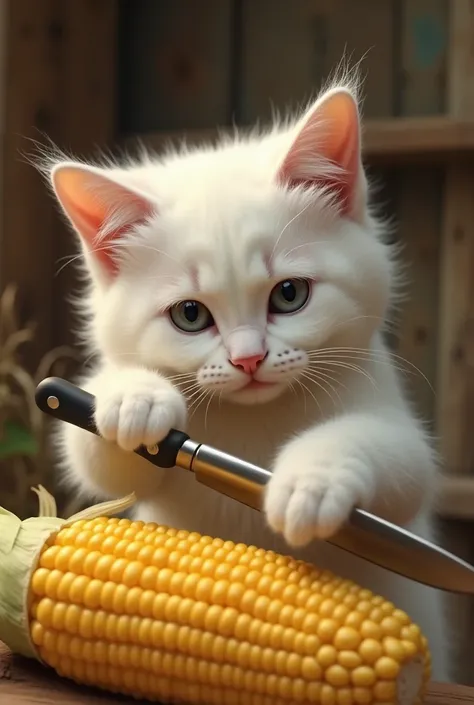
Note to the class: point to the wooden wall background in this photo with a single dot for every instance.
(59, 83)
(99, 73)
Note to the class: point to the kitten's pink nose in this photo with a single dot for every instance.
(248, 364)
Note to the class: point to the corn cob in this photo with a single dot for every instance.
(159, 613)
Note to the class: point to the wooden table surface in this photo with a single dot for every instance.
(24, 682)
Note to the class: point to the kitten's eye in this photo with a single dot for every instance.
(191, 316)
(289, 296)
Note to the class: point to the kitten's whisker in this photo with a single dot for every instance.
(89, 358)
(319, 383)
(350, 366)
(207, 409)
(194, 406)
(295, 217)
(380, 319)
(331, 377)
(382, 353)
(70, 259)
(193, 392)
(291, 386)
(372, 358)
(372, 361)
(191, 382)
(330, 364)
(197, 402)
(186, 386)
(196, 397)
(181, 375)
(304, 244)
(324, 367)
(189, 394)
(375, 356)
(180, 383)
(304, 387)
(129, 244)
(194, 385)
(324, 376)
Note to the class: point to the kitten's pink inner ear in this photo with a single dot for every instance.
(331, 135)
(89, 200)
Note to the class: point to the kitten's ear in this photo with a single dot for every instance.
(326, 151)
(100, 209)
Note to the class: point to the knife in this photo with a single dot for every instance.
(365, 535)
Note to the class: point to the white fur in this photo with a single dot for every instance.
(335, 428)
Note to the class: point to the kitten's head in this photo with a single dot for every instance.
(234, 263)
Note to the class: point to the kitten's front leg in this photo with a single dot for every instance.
(378, 462)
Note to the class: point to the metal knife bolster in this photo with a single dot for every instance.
(224, 473)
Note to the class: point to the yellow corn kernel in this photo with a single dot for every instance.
(162, 614)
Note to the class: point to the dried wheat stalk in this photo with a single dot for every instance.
(17, 405)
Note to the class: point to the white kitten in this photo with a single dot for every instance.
(239, 292)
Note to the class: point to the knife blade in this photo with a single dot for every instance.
(365, 535)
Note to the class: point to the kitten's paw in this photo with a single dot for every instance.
(312, 492)
(137, 407)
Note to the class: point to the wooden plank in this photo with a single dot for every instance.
(419, 214)
(386, 142)
(424, 55)
(84, 78)
(455, 387)
(27, 241)
(176, 64)
(365, 30)
(53, 88)
(406, 139)
(283, 55)
(460, 91)
(456, 339)
(28, 683)
(290, 49)
(423, 43)
(455, 348)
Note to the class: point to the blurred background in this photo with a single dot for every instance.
(107, 74)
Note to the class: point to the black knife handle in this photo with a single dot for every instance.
(65, 401)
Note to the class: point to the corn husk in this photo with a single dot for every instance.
(21, 542)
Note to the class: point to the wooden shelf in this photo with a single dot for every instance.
(396, 140)
(414, 138)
